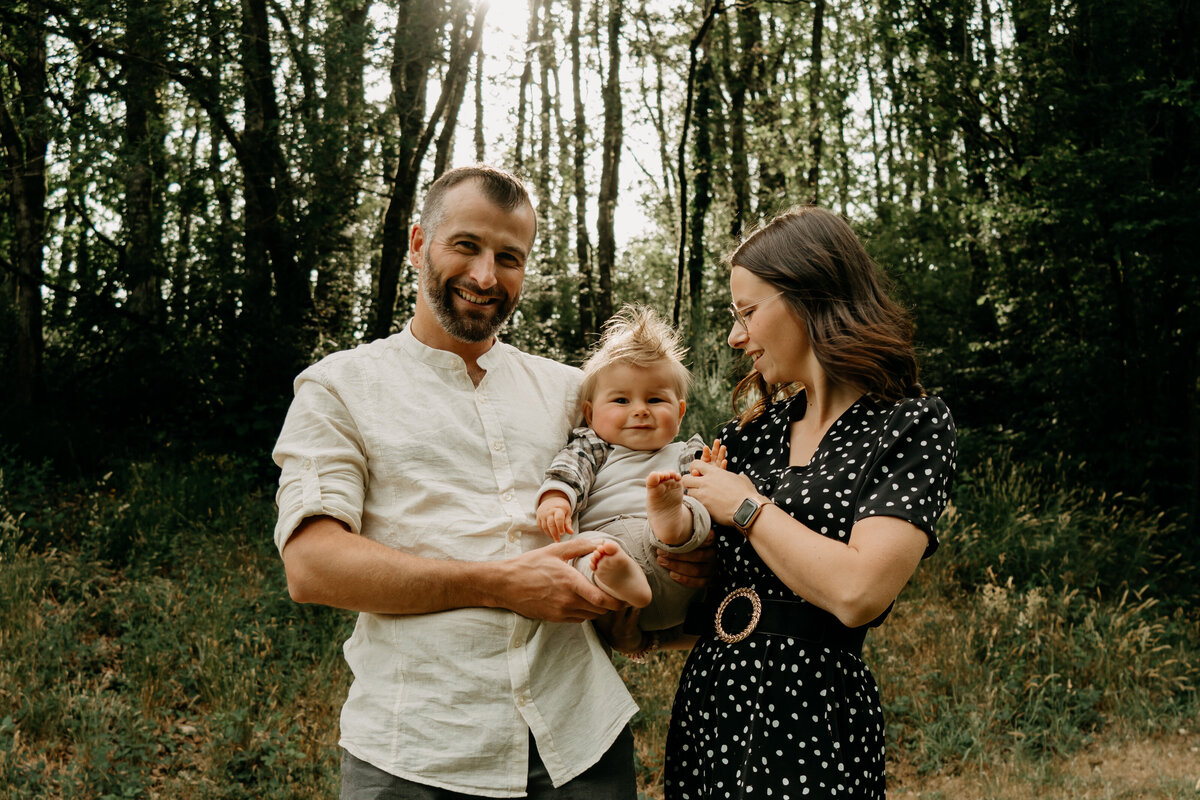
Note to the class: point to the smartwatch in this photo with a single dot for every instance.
(747, 513)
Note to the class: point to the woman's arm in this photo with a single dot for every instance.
(855, 581)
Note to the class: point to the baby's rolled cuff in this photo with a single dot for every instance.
(559, 486)
(701, 526)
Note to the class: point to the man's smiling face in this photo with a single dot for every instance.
(473, 263)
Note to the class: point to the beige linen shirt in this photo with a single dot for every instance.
(393, 439)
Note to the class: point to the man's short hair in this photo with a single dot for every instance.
(501, 188)
(636, 336)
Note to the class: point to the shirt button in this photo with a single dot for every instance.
(507, 496)
(513, 536)
(497, 446)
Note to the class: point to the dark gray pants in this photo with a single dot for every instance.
(610, 778)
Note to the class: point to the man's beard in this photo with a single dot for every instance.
(475, 325)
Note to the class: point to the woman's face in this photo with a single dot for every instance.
(773, 335)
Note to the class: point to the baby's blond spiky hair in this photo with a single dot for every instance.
(638, 336)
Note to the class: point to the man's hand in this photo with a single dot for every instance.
(541, 584)
(693, 568)
(554, 514)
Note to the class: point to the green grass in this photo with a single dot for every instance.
(148, 647)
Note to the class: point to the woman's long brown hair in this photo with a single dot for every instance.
(859, 334)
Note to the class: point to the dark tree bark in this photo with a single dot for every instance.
(741, 82)
(269, 195)
(480, 145)
(711, 10)
(531, 42)
(583, 247)
(705, 80)
(606, 245)
(24, 137)
(459, 40)
(815, 121)
(144, 159)
(338, 167)
(412, 55)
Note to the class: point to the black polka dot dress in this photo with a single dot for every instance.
(774, 716)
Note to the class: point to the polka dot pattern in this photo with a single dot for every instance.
(777, 717)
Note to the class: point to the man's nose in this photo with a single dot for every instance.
(483, 270)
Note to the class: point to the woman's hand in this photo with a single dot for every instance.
(621, 629)
(720, 491)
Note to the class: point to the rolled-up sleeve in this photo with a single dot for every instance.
(322, 462)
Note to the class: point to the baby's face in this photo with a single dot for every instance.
(635, 407)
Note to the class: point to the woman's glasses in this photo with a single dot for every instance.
(740, 316)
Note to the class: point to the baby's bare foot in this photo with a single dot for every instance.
(669, 519)
(619, 575)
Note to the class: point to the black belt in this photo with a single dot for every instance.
(742, 613)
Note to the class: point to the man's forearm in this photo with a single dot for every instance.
(328, 565)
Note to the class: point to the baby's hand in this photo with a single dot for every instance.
(717, 454)
(554, 515)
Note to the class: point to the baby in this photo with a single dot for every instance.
(620, 475)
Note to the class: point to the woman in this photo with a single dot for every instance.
(836, 475)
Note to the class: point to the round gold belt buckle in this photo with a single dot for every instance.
(750, 595)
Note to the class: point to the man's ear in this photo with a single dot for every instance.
(587, 412)
(416, 241)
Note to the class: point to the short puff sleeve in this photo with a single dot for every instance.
(909, 474)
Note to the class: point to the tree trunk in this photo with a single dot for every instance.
(22, 117)
(270, 249)
(337, 171)
(711, 10)
(531, 40)
(700, 205)
(740, 83)
(587, 317)
(606, 249)
(815, 123)
(480, 145)
(542, 184)
(459, 41)
(145, 162)
(412, 54)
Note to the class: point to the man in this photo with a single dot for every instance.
(409, 473)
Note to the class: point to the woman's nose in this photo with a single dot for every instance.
(737, 336)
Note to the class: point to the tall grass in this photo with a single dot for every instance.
(155, 653)
(148, 647)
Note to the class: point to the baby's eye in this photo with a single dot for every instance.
(658, 399)
(621, 400)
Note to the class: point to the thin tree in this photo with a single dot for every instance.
(23, 89)
(815, 86)
(711, 9)
(610, 160)
(583, 247)
(412, 56)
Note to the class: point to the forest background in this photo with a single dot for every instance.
(200, 199)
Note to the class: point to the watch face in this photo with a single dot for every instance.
(744, 512)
